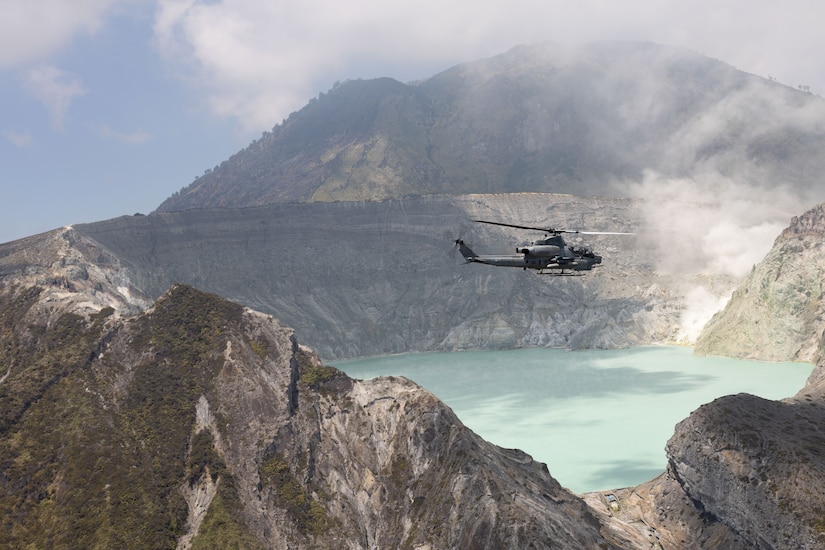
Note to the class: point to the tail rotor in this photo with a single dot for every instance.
(459, 245)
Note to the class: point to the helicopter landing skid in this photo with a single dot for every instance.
(560, 273)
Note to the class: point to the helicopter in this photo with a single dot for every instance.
(549, 256)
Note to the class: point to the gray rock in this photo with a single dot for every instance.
(365, 278)
(199, 422)
(777, 313)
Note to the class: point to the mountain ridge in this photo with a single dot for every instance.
(200, 423)
(538, 118)
(237, 434)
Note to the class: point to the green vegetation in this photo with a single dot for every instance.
(89, 471)
(203, 457)
(819, 521)
(314, 375)
(260, 347)
(35, 356)
(221, 528)
(187, 326)
(309, 516)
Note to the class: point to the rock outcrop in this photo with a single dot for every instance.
(743, 472)
(757, 466)
(777, 313)
(203, 424)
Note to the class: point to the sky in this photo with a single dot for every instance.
(110, 106)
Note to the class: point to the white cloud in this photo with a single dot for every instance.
(20, 139)
(135, 137)
(734, 249)
(32, 30)
(55, 89)
(709, 231)
(712, 224)
(700, 305)
(257, 61)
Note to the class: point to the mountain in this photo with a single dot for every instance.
(152, 392)
(777, 312)
(371, 278)
(202, 424)
(194, 422)
(538, 118)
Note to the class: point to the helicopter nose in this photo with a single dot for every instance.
(597, 259)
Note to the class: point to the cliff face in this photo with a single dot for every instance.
(202, 424)
(358, 279)
(757, 465)
(194, 422)
(743, 472)
(777, 313)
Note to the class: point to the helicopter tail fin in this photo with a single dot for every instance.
(466, 251)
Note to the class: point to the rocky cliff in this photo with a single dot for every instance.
(203, 424)
(743, 472)
(758, 466)
(777, 313)
(368, 278)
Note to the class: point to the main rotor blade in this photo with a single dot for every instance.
(544, 229)
(600, 233)
(552, 230)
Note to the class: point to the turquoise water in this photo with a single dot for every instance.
(599, 419)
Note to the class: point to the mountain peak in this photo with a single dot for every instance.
(537, 118)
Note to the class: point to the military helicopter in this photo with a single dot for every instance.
(549, 256)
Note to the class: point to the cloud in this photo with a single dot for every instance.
(700, 305)
(136, 137)
(709, 231)
(33, 30)
(20, 139)
(257, 61)
(710, 223)
(55, 89)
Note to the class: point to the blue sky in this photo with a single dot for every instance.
(110, 106)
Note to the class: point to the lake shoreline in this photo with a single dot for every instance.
(599, 419)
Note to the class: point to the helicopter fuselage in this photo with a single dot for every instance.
(550, 255)
(547, 255)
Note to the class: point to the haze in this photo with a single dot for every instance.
(112, 105)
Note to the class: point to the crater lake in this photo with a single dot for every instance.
(599, 419)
